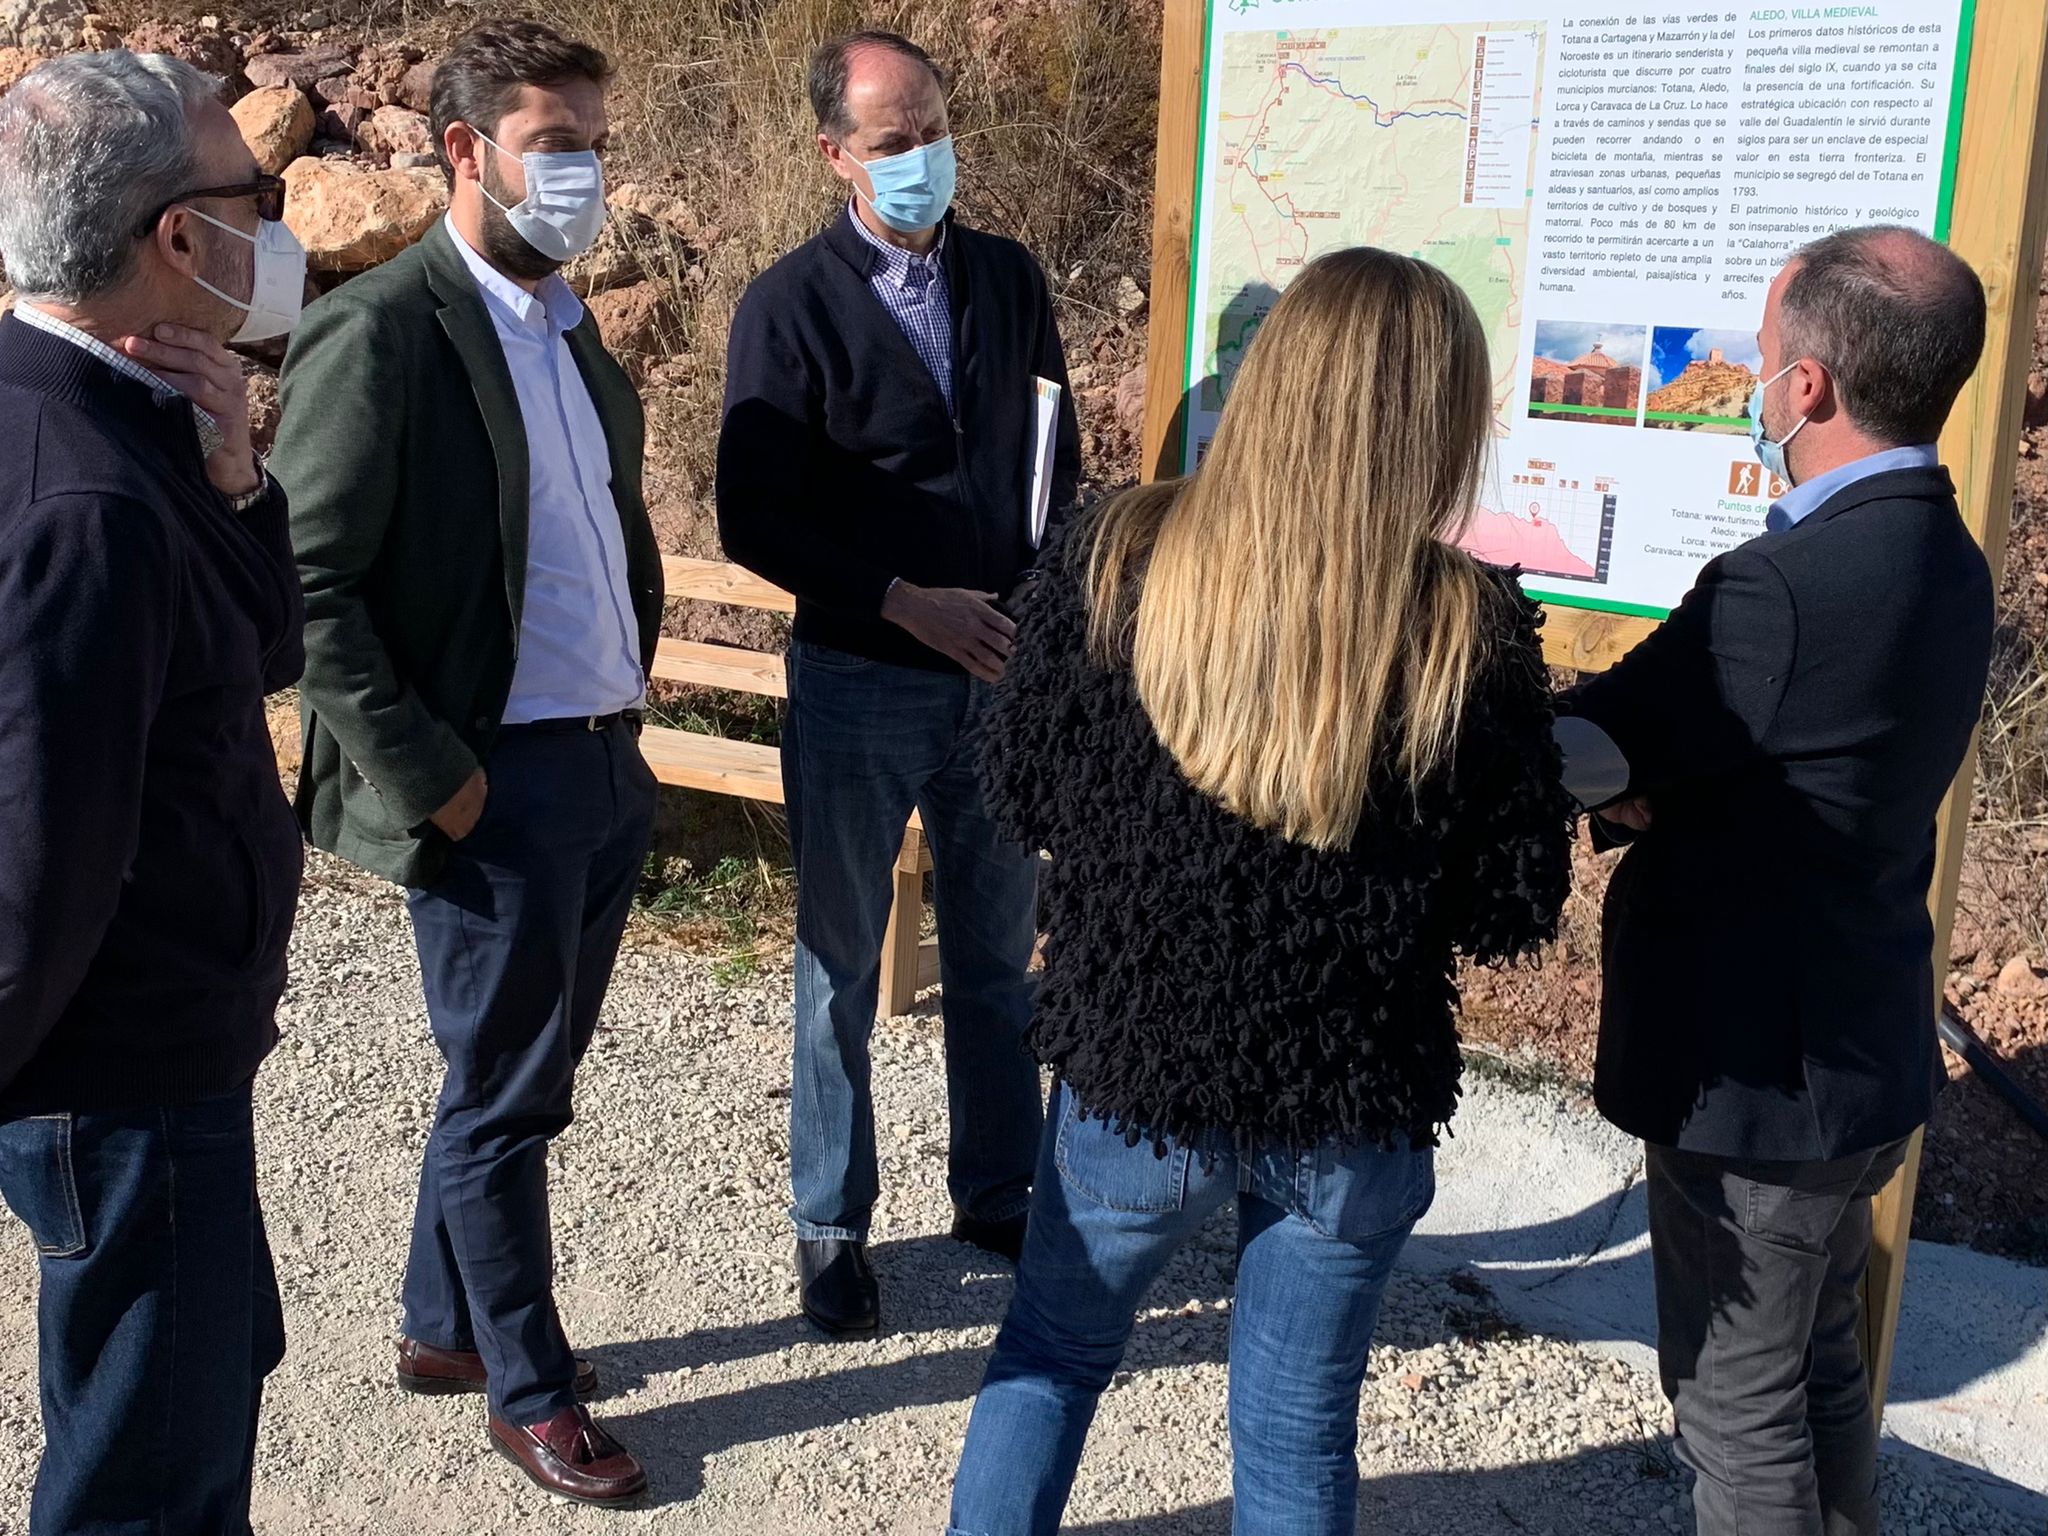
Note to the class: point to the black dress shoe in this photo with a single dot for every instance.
(1004, 1239)
(838, 1287)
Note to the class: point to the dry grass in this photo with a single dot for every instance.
(2013, 759)
(1052, 106)
(2009, 834)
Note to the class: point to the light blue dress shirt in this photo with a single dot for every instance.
(1594, 769)
(1805, 498)
(579, 643)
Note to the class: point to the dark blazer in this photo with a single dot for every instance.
(404, 454)
(839, 467)
(148, 862)
(1769, 984)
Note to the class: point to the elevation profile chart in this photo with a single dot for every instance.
(1549, 524)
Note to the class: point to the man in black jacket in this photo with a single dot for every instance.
(149, 864)
(1782, 745)
(877, 460)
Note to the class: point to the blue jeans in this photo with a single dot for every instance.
(864, 743)
(516, 942)
(158, 1316)
(1317, 1236)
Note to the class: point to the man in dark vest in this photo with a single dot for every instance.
(1781, 746)
(881, 446)
(482, 597)
(149, 867)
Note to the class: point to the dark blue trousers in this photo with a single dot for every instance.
(158, 1316)
(516, 943)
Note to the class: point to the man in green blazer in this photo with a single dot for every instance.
(483, 593)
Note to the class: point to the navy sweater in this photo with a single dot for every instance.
(149, 862)
(839, 466)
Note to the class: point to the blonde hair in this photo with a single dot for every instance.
(1295, 614)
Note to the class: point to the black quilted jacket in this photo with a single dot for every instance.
(1204, 974)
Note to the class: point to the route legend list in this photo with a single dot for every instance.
(1503, 121)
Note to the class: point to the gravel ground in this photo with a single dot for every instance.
(676, 1277)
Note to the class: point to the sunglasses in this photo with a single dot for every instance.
(267, 190)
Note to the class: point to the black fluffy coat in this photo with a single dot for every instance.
(1205, 974)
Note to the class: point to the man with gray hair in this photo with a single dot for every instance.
(149, 862)
(1779, 749)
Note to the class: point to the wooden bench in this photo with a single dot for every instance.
(751, 771)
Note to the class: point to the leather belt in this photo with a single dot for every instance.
(632, 719)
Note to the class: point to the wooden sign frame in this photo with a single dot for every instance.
(1996, 223)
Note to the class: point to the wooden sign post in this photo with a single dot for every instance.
(1996, 223)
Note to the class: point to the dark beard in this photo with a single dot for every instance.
(504, 247)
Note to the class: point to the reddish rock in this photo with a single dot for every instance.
(632, 320)
(276, 124)
(14, 63)
(395, 131)
(350, 219)
(334, 90)
(381, 67)
(213, 51)
(340, 124)
(46, 26)
(621, 255)
(1130, 399)
(415, 88)
(2018, 978)
(305, 69)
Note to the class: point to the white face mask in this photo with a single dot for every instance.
(563, 209)
(277, 290)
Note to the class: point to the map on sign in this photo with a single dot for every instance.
(1613, 191)
(1418, 139)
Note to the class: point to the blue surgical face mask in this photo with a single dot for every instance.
(1770, 454)
(913, 190)
(563, 209)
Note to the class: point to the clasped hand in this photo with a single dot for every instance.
(955, 622)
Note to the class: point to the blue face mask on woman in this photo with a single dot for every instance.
(913, 190)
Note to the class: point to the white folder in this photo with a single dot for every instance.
(1045, 424)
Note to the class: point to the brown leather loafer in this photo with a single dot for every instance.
(435, 1372)
(571, 1457)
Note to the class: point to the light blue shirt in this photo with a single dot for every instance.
(579, 644)
(1805, 498)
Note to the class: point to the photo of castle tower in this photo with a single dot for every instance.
(1700, 380)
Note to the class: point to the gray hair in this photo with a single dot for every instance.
(1897, 318)
(90, 146)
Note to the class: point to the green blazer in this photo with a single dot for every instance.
(404, 457)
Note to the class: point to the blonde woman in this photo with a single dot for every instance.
(1290, 749)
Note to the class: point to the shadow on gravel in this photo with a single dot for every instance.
(929, 1284)
(935, 1285)
(1604, 1246)
(1611, 1492)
